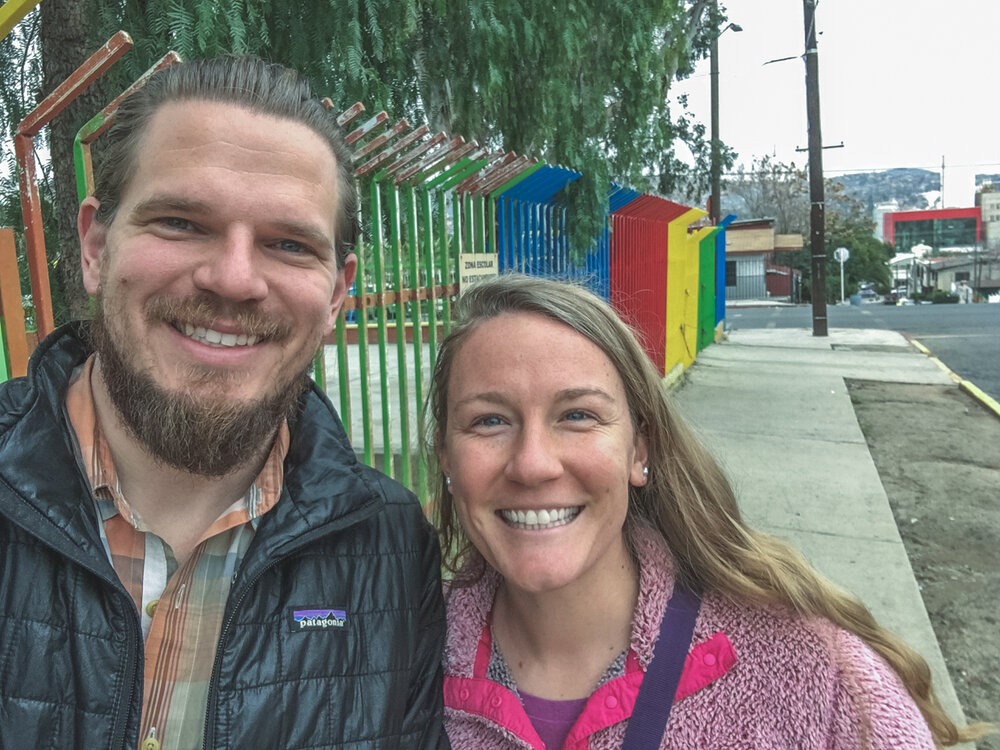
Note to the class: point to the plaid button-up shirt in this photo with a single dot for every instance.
(181, 606)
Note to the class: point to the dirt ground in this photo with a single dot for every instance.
(938, 453)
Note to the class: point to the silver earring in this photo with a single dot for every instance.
(645, 472)
(447, 480)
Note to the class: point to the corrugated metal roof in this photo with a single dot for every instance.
(619, 197)
(541, 186)
(653, 207)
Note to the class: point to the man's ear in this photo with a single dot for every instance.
(93, 238)
(345, 277)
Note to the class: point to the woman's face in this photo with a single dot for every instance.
(541, 450)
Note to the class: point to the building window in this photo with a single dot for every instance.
(961, 275)
(730, 273)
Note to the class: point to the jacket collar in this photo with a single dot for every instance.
(469, 608)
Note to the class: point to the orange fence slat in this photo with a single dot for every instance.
(11, 304)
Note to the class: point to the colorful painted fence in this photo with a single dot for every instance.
(430, 202)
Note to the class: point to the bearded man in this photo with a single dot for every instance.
(190, 554)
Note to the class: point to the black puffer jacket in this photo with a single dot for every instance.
(342, 537)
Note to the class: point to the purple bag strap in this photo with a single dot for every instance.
(659, 685)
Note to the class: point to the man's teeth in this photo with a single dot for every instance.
(540, 519)
(208, 336)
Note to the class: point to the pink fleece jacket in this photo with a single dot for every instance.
(755, 678)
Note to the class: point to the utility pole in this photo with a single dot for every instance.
(716, 165)
(714, 203)
(817, 215)
(941, 199)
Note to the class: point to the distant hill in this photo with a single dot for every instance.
(906, 186)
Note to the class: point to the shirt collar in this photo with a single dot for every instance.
(262, 495)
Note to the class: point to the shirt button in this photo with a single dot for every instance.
(151, 610)
(495, 701)
(464, 694)
(709, 660)
(611, 702)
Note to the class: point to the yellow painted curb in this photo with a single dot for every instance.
(673, 378)
(966, 385)
(977, 393)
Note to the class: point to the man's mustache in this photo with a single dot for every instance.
(205, 312)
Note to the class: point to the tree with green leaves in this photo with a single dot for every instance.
(22, 75)
(772, 189)
(578, 83)
(848, 224)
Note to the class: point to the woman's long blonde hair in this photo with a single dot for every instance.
(688, 499)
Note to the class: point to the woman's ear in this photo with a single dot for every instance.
(639, 472)
(442, 461)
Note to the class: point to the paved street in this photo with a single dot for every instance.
(965, 337)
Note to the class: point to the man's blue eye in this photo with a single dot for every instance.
(291, 246)
(174, 222)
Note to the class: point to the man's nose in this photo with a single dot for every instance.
(232, 268)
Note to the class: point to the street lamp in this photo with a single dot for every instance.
(716, 167)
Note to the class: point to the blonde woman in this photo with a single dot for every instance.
(588, 531)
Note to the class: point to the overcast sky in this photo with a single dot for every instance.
(903, 83)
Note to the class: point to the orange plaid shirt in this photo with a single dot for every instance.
(181, 607)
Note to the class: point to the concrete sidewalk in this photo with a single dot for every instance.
(773, 406)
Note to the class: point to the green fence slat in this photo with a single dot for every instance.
(378, 247)
(431, 273)
(361, 321)
(416, 324)
(396, 255)
(4, 354)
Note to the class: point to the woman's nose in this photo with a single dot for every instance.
(534, 456)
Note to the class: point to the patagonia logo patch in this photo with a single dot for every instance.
(317, 618)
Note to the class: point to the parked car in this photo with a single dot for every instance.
(897, 297)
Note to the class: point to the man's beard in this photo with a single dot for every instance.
(200, 435)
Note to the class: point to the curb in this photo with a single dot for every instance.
(966, 385)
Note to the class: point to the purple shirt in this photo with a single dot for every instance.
(552, 719)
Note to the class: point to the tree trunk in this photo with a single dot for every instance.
(65, 44)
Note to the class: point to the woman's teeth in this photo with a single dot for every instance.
(540, 519)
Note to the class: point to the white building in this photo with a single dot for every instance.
(989, 205)
(878, 214)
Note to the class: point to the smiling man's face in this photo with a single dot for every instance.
(216, 278)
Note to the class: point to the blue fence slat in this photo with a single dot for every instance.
(538, 241)
(720, 268)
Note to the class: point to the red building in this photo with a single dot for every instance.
(941, 229)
